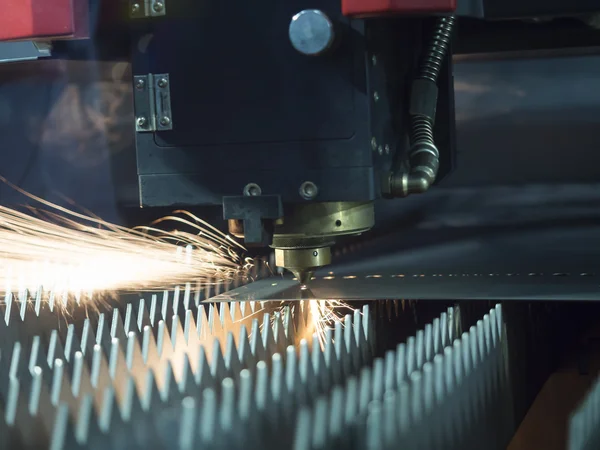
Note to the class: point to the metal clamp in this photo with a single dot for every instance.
(140, 9)
(152, 98)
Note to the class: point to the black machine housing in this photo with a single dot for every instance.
(248, 108)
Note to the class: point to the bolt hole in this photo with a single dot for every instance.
(315, 254)
(338, 223)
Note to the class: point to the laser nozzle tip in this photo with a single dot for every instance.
(303, 277)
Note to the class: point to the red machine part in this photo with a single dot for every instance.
(43, 19)
(366, 8)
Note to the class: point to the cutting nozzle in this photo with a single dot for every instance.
(303, 276)
(303, 238)
(303, 262)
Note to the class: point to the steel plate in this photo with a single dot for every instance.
(558, 286)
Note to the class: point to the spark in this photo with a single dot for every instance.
(315, 317)
(325, 314)
(65, 251)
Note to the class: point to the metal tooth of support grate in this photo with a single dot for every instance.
(584, 424)
(166, 321)
(53, 316)
(240, 419)
(73, 363)
(326, 424)
(400, 319)
(454, 394)
(77, 384)
(280, 428)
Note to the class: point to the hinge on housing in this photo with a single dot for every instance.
(152, 99)
(140, 9)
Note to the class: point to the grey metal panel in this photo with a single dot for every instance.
(23, 51)
(527, 119)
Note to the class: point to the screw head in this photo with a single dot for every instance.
(387, 149)
(374, 60)
(140, 84)
(252, 190)
(376, 96)
(308, 190)
(165, 121)
(163, 82)
(311, 32)
(158, 6)
(142, 121)
(135, 8)
(380, 150)
(374, 143)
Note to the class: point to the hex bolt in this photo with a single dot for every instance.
(140, 84)
(163, 82)
(142, 122)
(158, 6)
(252, 190)
(308, 190)
(165, 121)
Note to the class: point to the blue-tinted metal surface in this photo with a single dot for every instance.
(248, 106)
(527, 119)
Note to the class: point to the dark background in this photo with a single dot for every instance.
(527, 115)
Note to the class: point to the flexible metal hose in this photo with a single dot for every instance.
(438, 47)
(421, 129)
(422, 126)
(423, 156)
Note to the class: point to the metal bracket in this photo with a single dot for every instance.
(24, 50)
(140, 9)
(152, 99)
(254, 212)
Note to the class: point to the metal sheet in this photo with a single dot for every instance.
(556, 264)
(428, 287)
(267, 289)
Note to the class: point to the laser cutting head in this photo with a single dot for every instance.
(303, 238)
(295, 153)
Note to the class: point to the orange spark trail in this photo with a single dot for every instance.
(324, 314)
(66, 251)
(320, 316)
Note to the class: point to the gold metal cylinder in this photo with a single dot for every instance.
(302, 238)
(326, 219)
(303, 258)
